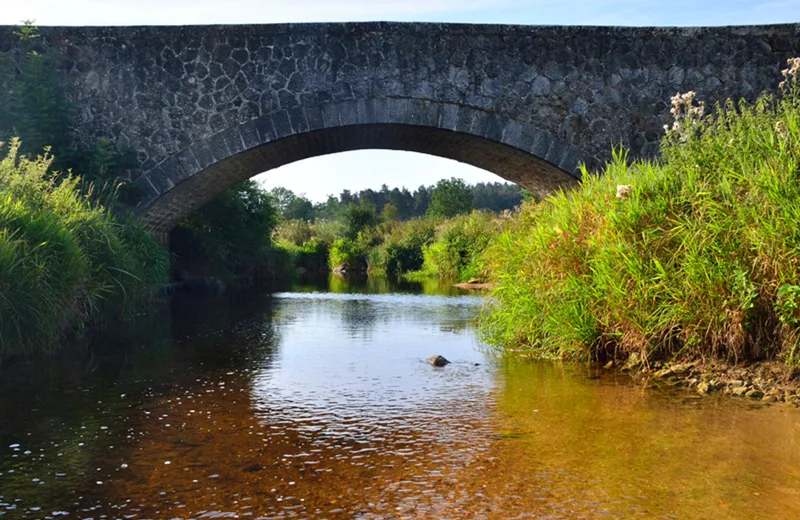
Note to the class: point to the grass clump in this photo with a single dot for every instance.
(64, 260)
(694, 255)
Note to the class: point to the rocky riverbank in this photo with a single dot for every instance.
(766, 381)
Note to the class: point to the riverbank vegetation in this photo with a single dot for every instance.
(247, 230)
(447, 243)
(693, 255)
(65, 260)
(228, 237)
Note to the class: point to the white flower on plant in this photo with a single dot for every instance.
(790, 73)
(780, 128)
(685, 112)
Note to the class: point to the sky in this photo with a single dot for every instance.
(321, 176)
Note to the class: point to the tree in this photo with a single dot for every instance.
(450, 197)
(390, 212)
(230, 234)
(331, 209)
(292, 206)
(358, 218)
(496, 196)
(299, 209)
(421, 201)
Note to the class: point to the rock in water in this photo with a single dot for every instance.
(437, 361)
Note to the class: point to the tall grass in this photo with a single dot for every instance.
(698, 256)
(64, 259)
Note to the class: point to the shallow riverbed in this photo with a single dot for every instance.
(317, 403)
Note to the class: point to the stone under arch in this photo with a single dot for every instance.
(516, 151)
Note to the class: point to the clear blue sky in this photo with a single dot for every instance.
(357, 170)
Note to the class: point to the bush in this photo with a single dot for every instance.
(64, 259)
(693, 255)
(396, 248)
(403, 258)
(358, 219)
(348, 255)
(311, 256)
(455, 253)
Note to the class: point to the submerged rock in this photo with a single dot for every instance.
(437, 361)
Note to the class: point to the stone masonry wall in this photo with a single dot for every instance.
(561, 95)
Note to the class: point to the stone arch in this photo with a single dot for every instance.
(516, 151)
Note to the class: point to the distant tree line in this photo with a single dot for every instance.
(449, 197)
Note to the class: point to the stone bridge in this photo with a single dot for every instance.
(205, 107)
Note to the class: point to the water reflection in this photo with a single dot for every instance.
(317, 403)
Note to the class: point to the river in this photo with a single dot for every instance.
(318, 403)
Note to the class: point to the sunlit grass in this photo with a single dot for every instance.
(699, 258)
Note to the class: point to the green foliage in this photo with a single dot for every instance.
(390, 212)
(306, 245)
(64, 259)
(398, 247)
(699, 256)
(456, 251)
(313, 255)
(349, 255)
(33, 100)
(228, 236)
(291, 206)
(787, 305)
(294, 232)
(449, 198)
(397, 203)
(402, 258)
(358, 219)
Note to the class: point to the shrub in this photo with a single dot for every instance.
(312, 256)
(295, 232)
(456, 251)
(403, 258)
(348, 255)
(358, 219)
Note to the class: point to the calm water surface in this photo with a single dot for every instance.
(318, 403)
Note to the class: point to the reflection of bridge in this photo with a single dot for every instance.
(206, 107)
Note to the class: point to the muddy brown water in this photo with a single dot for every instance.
(317, 403)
